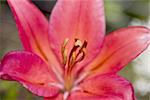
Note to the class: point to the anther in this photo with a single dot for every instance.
(64, 51)
(78, 42)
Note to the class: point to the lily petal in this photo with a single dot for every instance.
(30, 70)
(33, 29)
(57, 97)
(120, 47)
(104, 87)
(89, 96)
(77, 19)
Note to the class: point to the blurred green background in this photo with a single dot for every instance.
(119, 13)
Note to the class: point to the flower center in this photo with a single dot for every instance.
(76, 55)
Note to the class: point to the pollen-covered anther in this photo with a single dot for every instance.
(64, 51)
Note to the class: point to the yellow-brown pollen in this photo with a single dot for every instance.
(77, 54)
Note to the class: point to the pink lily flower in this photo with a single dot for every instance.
(68, 58)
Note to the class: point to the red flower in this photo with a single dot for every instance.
(70, 58)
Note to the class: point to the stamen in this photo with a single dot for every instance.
(82, 51)
(77, 53)
(72, 56)
(64, 51)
